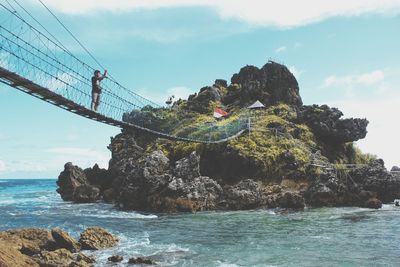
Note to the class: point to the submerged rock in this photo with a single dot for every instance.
(116, 258)
(142, 261)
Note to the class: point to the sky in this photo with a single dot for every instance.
(343, 53)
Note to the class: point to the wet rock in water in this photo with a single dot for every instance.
(109, 195)
(291, 200)
(151, 186)
(374, 177)
(86, 194)
(69, 179)
(116, 258)
(373, 203)
(84, 259)
(95, 238)
(98, 177)
(142, 260)
(64, 240)
(10, 256)
(246, 194)
(59, 257)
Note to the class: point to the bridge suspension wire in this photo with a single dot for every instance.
(41, 65)
(88, 52)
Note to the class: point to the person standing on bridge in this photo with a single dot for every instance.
(96, 88)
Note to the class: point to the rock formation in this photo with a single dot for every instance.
(41, 247)
(296, 155)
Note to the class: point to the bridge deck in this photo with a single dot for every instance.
(27, 86)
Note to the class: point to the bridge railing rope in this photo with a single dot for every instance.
(33, 55)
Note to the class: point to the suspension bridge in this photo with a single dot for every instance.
(35, 62)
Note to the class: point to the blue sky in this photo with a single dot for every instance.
(343, 54)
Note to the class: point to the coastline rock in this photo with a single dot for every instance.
(95, 238)
(291, 200)
(10, 256)
(59, 257)
(29, 241)
(64, 240)
(69, 179)
(374, 177)
(116, 258)
(373, 203)
(246, 194)
(188, 168)
(86, 194)
(142, 261)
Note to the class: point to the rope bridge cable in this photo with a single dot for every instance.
(43, 67)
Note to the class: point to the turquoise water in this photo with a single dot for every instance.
(315, 237)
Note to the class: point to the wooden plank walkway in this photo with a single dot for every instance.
(29, 87)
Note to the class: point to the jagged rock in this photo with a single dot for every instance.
(29, 241)
(98, 177)
(69, 179)
(86, 194)
(374, 177)
(201, 102)
(57, 258)
(327, 125)
(200, 193)
(64, 240)
(271, 84)
(109, 195)
(116, 258)
(10, 256)
(395, 169)
(246, 194)
(151, 186)
(95, 238)
(291, 200)
(84, 259)
(189, 167)
(142, 261)
(373, 203)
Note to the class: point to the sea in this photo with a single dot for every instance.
(262, 237)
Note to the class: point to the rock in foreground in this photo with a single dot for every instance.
(40, 247)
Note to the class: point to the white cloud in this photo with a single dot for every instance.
(284, 13)
(21, 166)
(83, 157)
(280, 49)
(368, 78)
(2, 166)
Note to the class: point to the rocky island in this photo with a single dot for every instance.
(292, 156)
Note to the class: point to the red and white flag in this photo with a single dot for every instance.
(219, 113)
